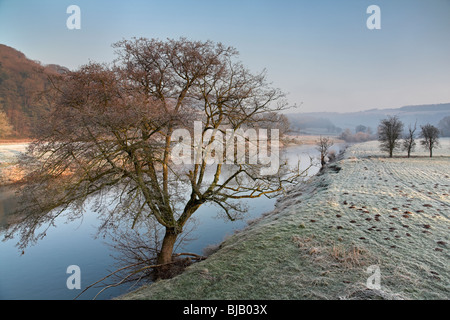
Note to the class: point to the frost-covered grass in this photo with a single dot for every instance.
(9, 152)
(365, 210)
(9, 155)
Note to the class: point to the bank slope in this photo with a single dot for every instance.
(365, 210)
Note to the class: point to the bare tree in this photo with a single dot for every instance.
(323, 146)
(389, 134)
(430, 137)
(360, 128)
(409, 142)
(109, 138)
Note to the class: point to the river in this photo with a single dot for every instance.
(40, 272)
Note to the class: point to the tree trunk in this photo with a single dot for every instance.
(322, 160)
(431, 152)
(165, 254)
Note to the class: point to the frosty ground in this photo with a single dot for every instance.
(9, 169)
(364, 210)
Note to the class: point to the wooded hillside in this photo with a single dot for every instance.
(21, 81)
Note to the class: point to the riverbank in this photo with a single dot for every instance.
(10, 151)
(73, 242)
(365, 210)
(311, 140)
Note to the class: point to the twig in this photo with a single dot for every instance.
(196, 256)
(109, 275)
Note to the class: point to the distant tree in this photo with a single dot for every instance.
(360, 128)
(430, 137)
(444, 126)
(346, 135)
(5, 127)
(389, 134)
(360, 136)
(409, 142)
(323, 146)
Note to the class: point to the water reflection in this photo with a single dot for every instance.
(40, 273)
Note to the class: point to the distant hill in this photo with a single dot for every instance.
(21, 80)
(334, 123)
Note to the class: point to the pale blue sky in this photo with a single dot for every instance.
(318, 51)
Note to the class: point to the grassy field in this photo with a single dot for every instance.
(318, 243)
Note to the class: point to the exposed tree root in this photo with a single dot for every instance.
(157, 271)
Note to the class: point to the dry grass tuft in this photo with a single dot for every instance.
(330, 254)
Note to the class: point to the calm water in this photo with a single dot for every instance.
(40, 273)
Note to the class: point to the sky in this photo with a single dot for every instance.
(320, 52)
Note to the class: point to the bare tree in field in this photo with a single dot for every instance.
(110, 138)
(389, 133)
(409, 142)
(323, 146)
(430, 137)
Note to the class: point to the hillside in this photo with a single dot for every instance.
(21, 81)
(365, 210)
(331, 122)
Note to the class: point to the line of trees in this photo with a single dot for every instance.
(21, 83)
(391, 136)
